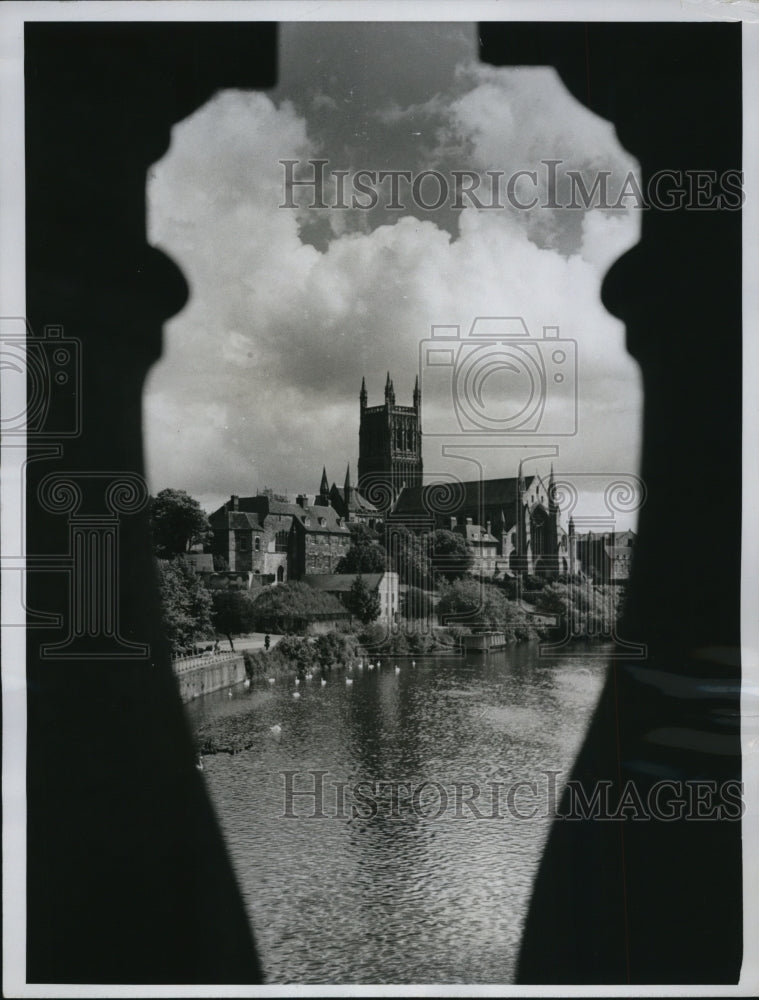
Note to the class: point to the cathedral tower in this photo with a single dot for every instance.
(390, 442)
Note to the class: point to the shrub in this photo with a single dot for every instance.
(335, 648)
(298, 651)
(280, 608)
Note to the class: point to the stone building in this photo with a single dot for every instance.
(275, 540)
(319, 539)
(518, 513)
(253, 535)
(605, 557)
(484, 547)
(352, 505)
(389, 445)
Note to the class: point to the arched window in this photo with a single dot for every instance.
(258, 544)
(280, 574)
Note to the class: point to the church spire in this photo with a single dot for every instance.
(552, 505)
(362, 396)
(324, 488)
(347, 488)
(389, 390)
(417, 395)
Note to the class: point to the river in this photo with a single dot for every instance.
(406, 876)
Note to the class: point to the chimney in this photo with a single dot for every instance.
(487, 527)
(302, 500)
(234, 502)
(469, 520)
(453, 523)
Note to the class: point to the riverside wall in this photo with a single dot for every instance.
(199, 675)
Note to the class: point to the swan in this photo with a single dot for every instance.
(272, 680)
(199, 762)
(371, 666)
(397, 669)
(296, 694)
(276, 729)
(348, 680)
(309, 676)
(323, 682)
(413, 663)
(297, 681)
(246, 683)
(229, 694)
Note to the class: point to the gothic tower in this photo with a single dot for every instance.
(390, 443)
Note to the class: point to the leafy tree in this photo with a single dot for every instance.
(554, 599)
(408, 556)
(481, 605)
(297, 650)
(450, 552)
(471, 603)
(362, 602)
(419, 603)
(177, 522)
(232, 613)
(364, 555)
(185, 605)
(335, 648)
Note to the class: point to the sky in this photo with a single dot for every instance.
(290, 306)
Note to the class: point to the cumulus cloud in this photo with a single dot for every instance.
(260, 374)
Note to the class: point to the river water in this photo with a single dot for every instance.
(397, 881)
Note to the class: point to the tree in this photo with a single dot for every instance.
(185, 605)
(449, 554)
(481, 605)
(408, 557)
(177, 522)
(364, 555)
(362, 602)
(419, 603)
(475, 603)
(232, 613)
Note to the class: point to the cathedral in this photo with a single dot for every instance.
(511, 526)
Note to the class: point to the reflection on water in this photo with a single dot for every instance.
(431, 889)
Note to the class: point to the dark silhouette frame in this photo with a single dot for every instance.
(128, 878)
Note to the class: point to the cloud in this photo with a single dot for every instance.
(259, 379)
